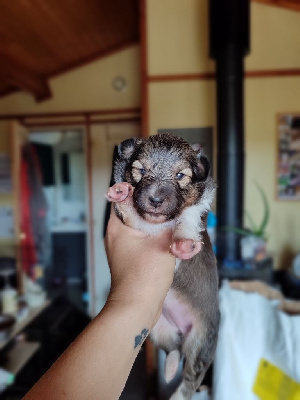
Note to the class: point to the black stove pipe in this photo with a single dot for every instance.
(229, 42)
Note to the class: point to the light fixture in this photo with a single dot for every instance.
(119, 83)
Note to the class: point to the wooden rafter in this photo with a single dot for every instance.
(50, 37)
(289, 4)
(71, 114)
(17, 76)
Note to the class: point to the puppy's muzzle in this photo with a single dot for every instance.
(156, 202)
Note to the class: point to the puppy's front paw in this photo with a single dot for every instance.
(119, 192)
(185, 248)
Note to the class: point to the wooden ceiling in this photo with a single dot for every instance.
(42, 38)
(289, 4)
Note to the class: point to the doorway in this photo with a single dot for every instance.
(61, 157)
(84, 277)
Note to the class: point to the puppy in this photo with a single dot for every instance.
(167, 185)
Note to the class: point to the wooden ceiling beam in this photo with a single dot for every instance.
(288, 4)
(16, 75)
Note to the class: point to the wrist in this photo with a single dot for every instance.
(140, 307)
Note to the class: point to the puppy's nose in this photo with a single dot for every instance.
(156, 201)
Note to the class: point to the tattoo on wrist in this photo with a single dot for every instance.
(138, 340)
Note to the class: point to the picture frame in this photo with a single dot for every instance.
(288, 156)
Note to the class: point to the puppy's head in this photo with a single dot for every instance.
(167, 173)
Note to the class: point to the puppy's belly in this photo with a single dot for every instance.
(178, 314)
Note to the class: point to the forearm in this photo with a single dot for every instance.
(97, 364)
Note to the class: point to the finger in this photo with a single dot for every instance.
(114, 226)
(161, 242)
(111, 225)
(117, 227)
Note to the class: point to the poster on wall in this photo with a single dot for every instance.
(288, 157)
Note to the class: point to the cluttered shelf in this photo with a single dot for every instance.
(19, 355)
(25, 318)
(36, 341)
(15, 350)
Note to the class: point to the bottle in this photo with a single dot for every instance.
(9, 297)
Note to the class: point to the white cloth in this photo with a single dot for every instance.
(203, 395)
(252, 328)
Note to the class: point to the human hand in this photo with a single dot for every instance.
(142, 268)
(98, 362)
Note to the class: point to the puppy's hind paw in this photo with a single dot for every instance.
(178, 396)
(185, 248)
(171, 366)
(119, 192)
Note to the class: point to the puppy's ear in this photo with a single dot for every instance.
(127, 147)
(124, 152)
(202, 168)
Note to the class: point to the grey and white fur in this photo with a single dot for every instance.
(170, 187)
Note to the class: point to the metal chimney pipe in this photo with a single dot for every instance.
(229, 42)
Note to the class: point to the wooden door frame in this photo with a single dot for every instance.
(85, 119)
(90, 258)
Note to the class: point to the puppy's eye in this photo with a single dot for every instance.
(138, 168)
(180, 176)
